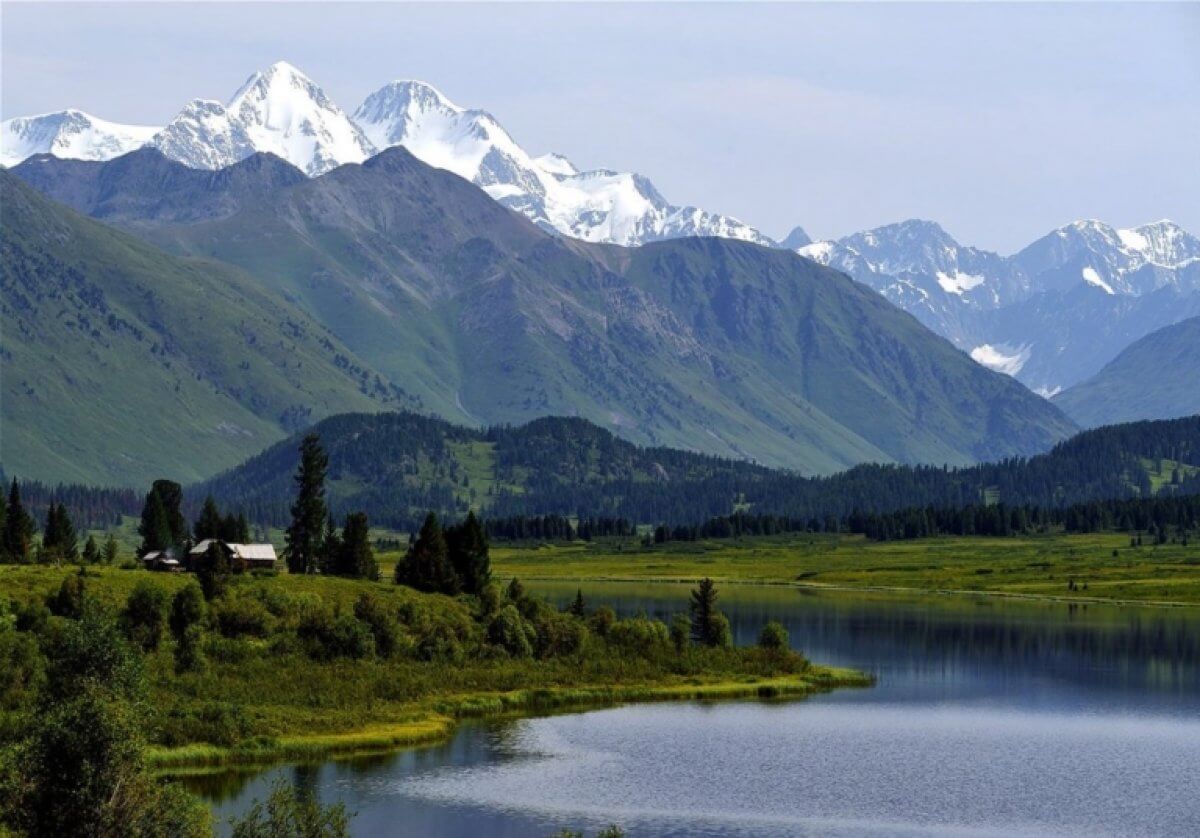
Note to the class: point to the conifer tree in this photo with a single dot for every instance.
(110, 549)
(578, 606)
(59, 540)
(467, 547)
(213, 571)
(19, 527)
(154, 529)
(355, 556)
(703, 607)
(171, 495)
(208, 525)
(331, 547)
(303, 536)
(91, 552)
(427, 565)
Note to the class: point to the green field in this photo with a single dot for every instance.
(1103, 566)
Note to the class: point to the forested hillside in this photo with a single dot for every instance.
(397, 465)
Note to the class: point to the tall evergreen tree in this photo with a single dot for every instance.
(91, 552)
(303, 550)
(331, 547)
(703, 607)
(467, 546)
(59, 541)
(427, 566)
(208, 525)
(355, 556)
(213, 571)
(19, 527)
(110, 553)
(154, 529)
(171, 495)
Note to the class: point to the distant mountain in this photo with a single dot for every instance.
(279, 110)
(709, 344)
(123, 363)
(597, 206)
(283, 112)
(1156, 377)
(397, 466)
(70, 134)
(1052, 314)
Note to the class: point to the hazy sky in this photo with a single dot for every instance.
(999, 121)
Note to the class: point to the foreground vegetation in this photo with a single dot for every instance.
(305, 666)
(1090, 566)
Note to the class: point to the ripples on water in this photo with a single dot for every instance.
(989, 718)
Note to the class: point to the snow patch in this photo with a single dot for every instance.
(1001, 358)
(960, 283)
(1047, 392)
(1092, 278)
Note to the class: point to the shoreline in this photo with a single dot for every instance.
(840, 587)
(439, 723)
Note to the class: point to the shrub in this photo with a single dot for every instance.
(681, 632)
(602, 620)
(509, 630)
(292, 813)
(187, 609)
(68, 600)
(145, 615)
(639, 634)
(189, 653)
(378, 617)
(773, 637)
(241, 616)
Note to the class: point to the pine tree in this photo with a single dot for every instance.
(331, 547)
(19, 527)
(213, 571)
(355, 556)
(427, 565)
(303, 550)
(703, 607)
(171, 495)
(154, 529)
(110, 549)
(91, 553)
(467, 546)
(59, 540)
(578, 606)
(208, 525)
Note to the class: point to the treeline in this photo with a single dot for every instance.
(90, 507)
(396, 467)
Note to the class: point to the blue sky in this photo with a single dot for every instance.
(999, 121)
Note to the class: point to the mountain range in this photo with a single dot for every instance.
(1052, 314)
(281, 111)
(437, 295)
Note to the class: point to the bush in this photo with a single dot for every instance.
(326, 636)
(774, 637)
(241, 616)
(640, 635)
(219, 723)
(681, 632)
(145, 615)
(378, 617)
(68, 600)
(602, 620)
(720, 633)
(291, 813)
(509, 630)
(189, 653)
(187, 609)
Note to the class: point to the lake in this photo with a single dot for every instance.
(990, 717)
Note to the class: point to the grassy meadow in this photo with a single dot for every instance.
(1102, 566)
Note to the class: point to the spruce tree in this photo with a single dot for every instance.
(19, 527)
(303, 536)
(213, 571)
(703, 607)
(427, 565)
(59, 540)
(331, 547)
(355, 556)
(467, 546)
(91, 552)
(110, 549)
(154, 529)
(208, 525)
(578, 606)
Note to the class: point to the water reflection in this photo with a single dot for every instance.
(1006, 683)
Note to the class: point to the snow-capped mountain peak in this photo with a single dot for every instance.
(598, 205)
(70, 133)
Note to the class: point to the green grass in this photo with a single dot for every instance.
(1035, 566)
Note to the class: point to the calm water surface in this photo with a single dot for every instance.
(989, 718)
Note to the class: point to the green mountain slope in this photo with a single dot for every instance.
(396, 466)
(1157, 377)
(711, 345)
(122, 363)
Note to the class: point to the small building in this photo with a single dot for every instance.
(161, 560)
(242, 556)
